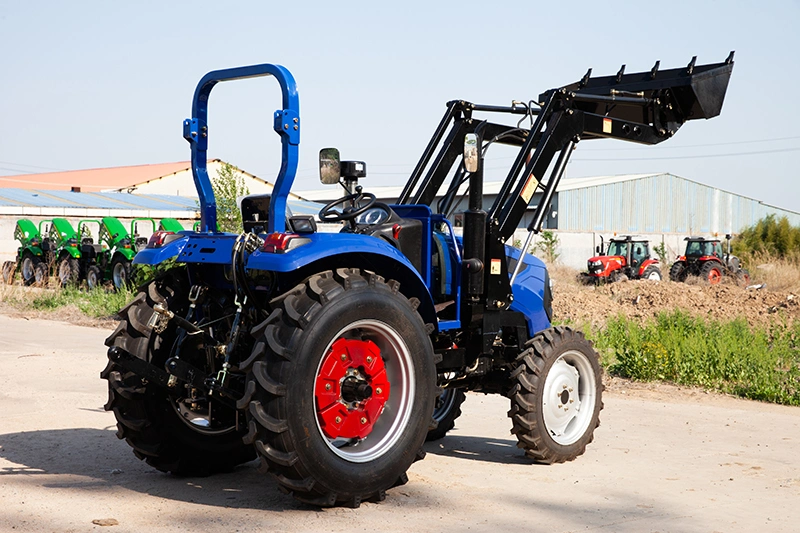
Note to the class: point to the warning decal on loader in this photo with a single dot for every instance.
(607, 125)
(497, 268)
(529, 188)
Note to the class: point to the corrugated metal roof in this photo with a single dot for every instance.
(660, 203)
(119, 200)
(48, 198)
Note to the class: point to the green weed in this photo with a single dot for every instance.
(94, 303)
(757, 363)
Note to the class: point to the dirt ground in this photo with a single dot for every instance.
(643, 299)
(665, 459)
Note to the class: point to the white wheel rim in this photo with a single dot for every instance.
(654, 276)
(444, 403)
(569, 397)
(27, 269)
(392, 422)
(119, 275)
(64, 271)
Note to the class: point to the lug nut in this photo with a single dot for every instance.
(560, 406)
(338, 419)
(343, 357)
(379, 391)
(369, 359)
(570, 389)
(363, 420)
(327, 386)
(566, 387)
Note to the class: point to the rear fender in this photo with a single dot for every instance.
(329, 251)
(155, 256)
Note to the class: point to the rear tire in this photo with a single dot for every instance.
(556, 395)
(743, 277)
(678, 272)
(652, 273)
(9, 268)
(322, 449)
(447, 410)
(711, 273)
(147, 417)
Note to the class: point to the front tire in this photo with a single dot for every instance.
(28, 268)
(327, 338)
(161, 428)
(68, 271)
(652, 273)
(120, 272)
(445, 413)
(94, 277)
(556, 395)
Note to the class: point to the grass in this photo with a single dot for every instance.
(761, 363)
(97, 303)
(757, 363)
(780, 274)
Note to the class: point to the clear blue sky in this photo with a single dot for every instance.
(90, 84)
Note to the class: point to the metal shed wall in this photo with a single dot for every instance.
(661, 203)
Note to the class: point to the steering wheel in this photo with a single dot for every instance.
(327, 213)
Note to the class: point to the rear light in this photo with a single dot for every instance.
(157, 239)
(396, 231)
(278, 243)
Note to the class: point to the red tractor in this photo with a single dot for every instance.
(704, 258)
(627, 257)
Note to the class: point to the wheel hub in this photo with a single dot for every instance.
(561, 401)
(351, 389)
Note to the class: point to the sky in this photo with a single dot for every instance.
(93, 84)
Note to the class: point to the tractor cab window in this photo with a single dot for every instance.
(694, 248)
(639, 253)
(618, 248)
(716, 249)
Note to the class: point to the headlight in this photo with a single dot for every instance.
(597, 263)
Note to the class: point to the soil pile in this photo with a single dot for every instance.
(643, 300)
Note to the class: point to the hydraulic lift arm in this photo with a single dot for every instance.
(644, 107)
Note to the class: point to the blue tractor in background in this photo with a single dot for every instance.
(332, 357)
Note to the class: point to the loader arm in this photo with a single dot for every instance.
(644, 107)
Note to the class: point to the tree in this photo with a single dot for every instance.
(547, 246)
(228, 186)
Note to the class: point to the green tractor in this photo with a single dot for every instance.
(137, 239)
(64, 251)
(92, 254)
(170, 224)
(118, 252)
(30, 257)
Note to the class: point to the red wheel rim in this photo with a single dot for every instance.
(351, 365)
(714, 276)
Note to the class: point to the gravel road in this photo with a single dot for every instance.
(663, 460)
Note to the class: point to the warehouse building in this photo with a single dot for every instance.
(661, 207)
(143, 191)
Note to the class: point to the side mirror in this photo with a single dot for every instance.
(471, 152)
(329, 166)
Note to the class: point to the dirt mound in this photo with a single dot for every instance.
(646, 299)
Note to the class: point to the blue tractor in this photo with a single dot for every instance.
(332, 357)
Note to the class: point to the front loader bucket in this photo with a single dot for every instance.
(697, 91)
